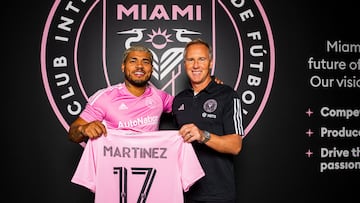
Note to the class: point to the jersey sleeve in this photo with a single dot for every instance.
(85, 173)
(232, 119)
(191, 170)
(93, 109)
(167, 100)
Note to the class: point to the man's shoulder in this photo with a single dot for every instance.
(221, 87)
(226, 87)
(106, 91)
(224, 90)
(158, 91)
(183, 93)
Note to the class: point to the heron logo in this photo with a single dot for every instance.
(83, 42)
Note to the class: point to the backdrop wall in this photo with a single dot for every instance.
(302, 142)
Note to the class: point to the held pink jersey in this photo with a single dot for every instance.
(119, 109)
(126, 167)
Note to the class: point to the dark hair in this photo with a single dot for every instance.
(137, 48)
(198, 41)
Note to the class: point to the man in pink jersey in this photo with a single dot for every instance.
(133, 105)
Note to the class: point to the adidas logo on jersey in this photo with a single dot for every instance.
(182, 107)
(123, 106)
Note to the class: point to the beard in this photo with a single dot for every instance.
(137, 83)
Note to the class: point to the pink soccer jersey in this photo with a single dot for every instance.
(119, 109)
(126, 167)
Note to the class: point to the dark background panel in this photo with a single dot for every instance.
(272, 167)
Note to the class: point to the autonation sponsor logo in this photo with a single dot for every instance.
(149, 120)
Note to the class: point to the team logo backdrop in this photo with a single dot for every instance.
(83, 42)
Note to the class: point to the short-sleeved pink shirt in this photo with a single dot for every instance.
(126, 166)
(119, 109)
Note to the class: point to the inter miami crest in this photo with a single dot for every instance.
(83, 43)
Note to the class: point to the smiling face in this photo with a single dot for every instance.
(198, 63)
(137, 68)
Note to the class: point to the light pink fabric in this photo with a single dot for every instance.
(119, 109)
(124, 162)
